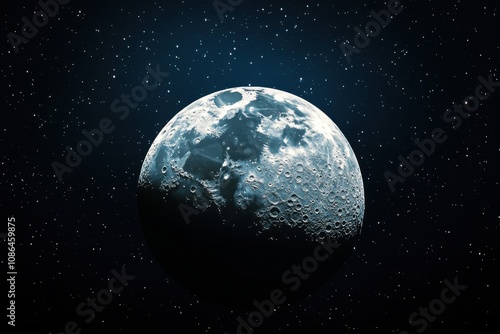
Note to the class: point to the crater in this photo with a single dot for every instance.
(227, 98)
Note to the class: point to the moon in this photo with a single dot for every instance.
(241, 185)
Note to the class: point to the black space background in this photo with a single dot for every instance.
(441, 223)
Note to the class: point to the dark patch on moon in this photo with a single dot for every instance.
(293, 135)
(205, 160)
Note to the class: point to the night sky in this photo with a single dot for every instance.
(441, 223)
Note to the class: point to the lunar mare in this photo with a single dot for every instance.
(260, 167)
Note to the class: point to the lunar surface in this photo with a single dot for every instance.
(244, 183)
